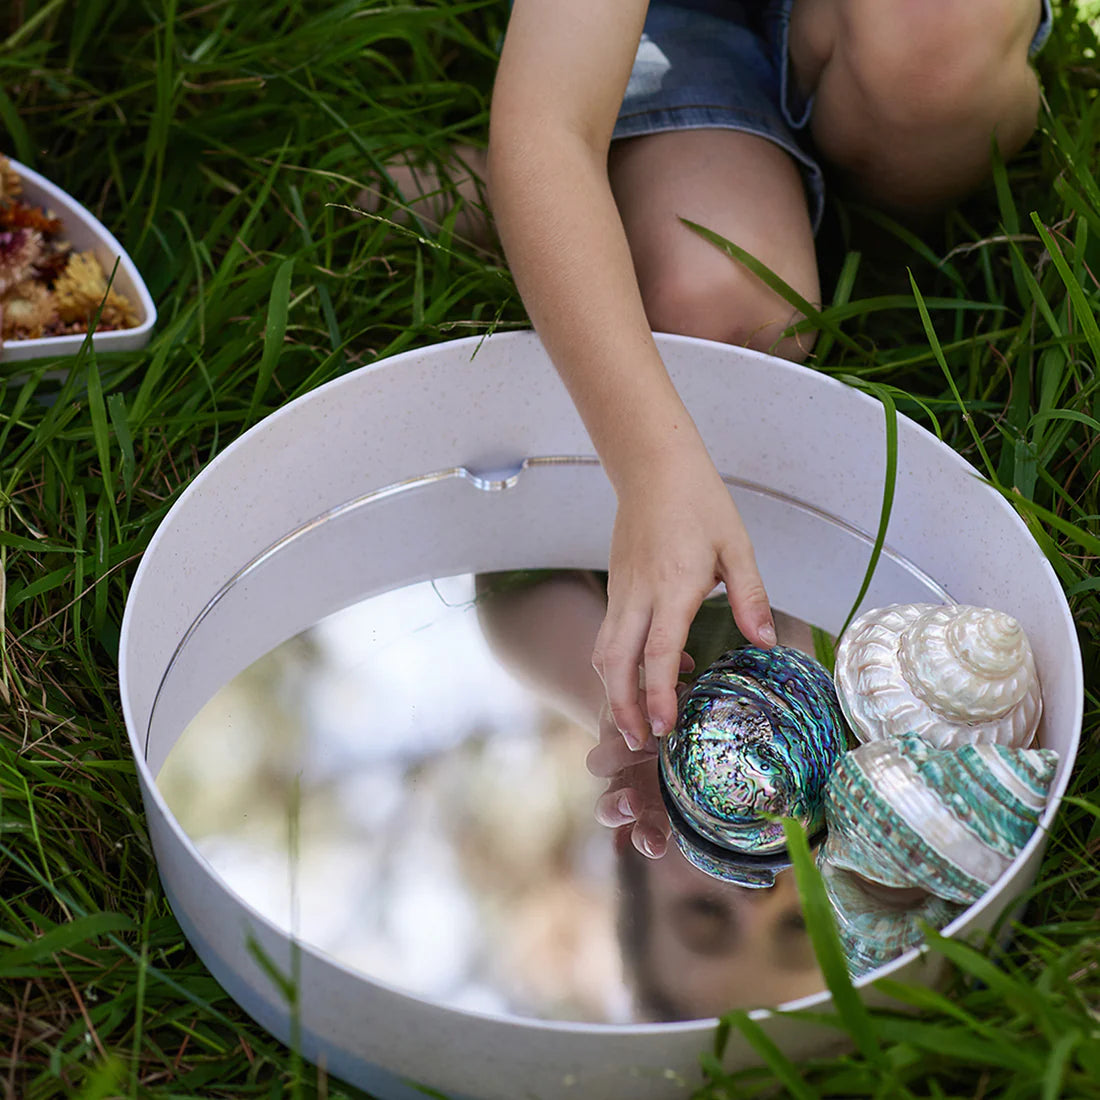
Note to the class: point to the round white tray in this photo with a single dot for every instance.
(469, 457)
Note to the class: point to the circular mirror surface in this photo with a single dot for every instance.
(404, 787)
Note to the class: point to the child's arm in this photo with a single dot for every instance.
(562, 75)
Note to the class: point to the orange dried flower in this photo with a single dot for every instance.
(27, 310)
(45, 288)
(18, 215)
(80, 288)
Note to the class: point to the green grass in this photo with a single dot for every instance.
(222, 142)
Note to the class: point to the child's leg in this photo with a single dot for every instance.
(423, 192)
(909, 93)
(741, 186)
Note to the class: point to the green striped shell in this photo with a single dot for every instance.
(902, 814)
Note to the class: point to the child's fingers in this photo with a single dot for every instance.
(664, 654)
(650, 835)
(612, 755)
(625, 805)
(650, 832)
(616, 659)
(747, 598)
(617, 807)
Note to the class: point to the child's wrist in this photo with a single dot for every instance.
(668, 457)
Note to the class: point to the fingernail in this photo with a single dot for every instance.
(652, 848)
(767, 634)
(659, 727)
(633, 741)
(622, 804)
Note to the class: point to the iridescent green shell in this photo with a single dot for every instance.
(755, 740)
(903, 813)
(940, 824)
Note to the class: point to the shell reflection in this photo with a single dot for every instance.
(756, 738)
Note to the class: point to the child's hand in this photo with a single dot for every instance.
(677, 533)
(633, 795)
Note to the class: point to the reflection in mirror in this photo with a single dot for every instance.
(403, 787)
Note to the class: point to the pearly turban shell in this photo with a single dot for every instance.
(953, 674)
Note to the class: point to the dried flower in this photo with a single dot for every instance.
(20, 249)
(10, 184)
(27, 311)
(46, 289)
(18, 215)
(47, 269)
(80, 288)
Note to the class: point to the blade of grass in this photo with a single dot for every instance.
(782, 288)
(63, 937)
(827, 946)
(1060, 1054)
(889, 485)
(116, 412)
(1082, 308)
(785, 1071)
(274, 332)
(1085, 539)
(937, 351)
(335, 339)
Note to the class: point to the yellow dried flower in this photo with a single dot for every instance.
(26, 311)
(10, 184)
(80, 288)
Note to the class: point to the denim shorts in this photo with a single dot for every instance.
(723, 64)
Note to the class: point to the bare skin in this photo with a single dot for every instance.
(677, 530)
(424, 195)
(687, 285)
(909, 94)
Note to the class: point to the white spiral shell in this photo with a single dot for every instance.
(953, 674)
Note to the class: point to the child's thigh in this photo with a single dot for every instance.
(741, 186)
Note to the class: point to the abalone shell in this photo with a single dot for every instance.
(756, 738)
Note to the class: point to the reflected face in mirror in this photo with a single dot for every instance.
(404, 786)
(695, 947)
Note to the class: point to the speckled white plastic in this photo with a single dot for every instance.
(85, 233)
(269, 538)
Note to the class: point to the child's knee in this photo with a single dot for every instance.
(913, 92)
(924, 63)
(727, 303)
